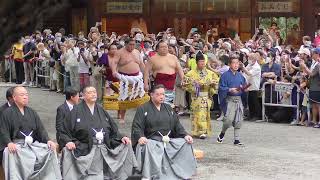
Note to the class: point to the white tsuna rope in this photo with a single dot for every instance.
(137, 86)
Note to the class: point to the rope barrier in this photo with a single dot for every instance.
(55, 71)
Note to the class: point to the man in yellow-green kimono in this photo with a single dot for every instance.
(201, 83)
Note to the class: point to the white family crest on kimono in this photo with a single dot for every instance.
(137, 86)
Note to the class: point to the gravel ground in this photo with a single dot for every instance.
(271, 151)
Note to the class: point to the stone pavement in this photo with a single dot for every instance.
(272, 151)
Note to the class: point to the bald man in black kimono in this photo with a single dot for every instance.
(90, 135)
(163, 147)
(25, 141)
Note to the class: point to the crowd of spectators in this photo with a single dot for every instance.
(56, 60)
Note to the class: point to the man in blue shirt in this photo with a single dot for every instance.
(270, 72)
(231, 86)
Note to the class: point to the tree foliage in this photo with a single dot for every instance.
(21, 17)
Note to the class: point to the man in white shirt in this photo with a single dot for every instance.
(69, 59)
(43, 65)
(84, 59)
(252, 73)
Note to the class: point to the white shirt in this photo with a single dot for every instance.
(71, 58)
(91, 109)
(255, 78)
(9, 105)
(313, 65)
(45, 57)
(69, 105)
(84, 67)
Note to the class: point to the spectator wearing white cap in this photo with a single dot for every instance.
(304, 51)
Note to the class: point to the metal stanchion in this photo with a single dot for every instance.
(279, 86)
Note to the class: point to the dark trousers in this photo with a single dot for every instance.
(216, 106)
(244, 99)
(19, 71)
(254, 104)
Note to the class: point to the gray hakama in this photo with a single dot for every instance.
(175, 161)
(233, 116)
(31, 162)
(91, 159)
(101, 163)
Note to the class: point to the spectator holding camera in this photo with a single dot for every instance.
(84, 59)
(314, 90)
(69, 59)
(29, 50)
(253, 76)
(275, 33)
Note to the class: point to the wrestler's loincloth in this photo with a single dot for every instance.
(167, 80)
(109, 76)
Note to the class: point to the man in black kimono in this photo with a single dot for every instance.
(90, 135)
(163, 147)
(9, 100)
(72, 99)
(25, 142)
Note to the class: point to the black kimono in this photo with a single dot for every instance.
(148, 120)
(111, 157)
(32, 161)
(12, 122)
(3, 107)
(79, 125)
(158, 159)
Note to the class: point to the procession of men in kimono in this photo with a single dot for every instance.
(90, 145)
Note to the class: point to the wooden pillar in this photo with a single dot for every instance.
(254, 16)
(1, 172)
(94, 11)
(150, 20)
(307, 18)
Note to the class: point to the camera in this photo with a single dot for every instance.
(186, 49)
(215, 44)
(81, 50)
(260, 32)
(241, 57)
